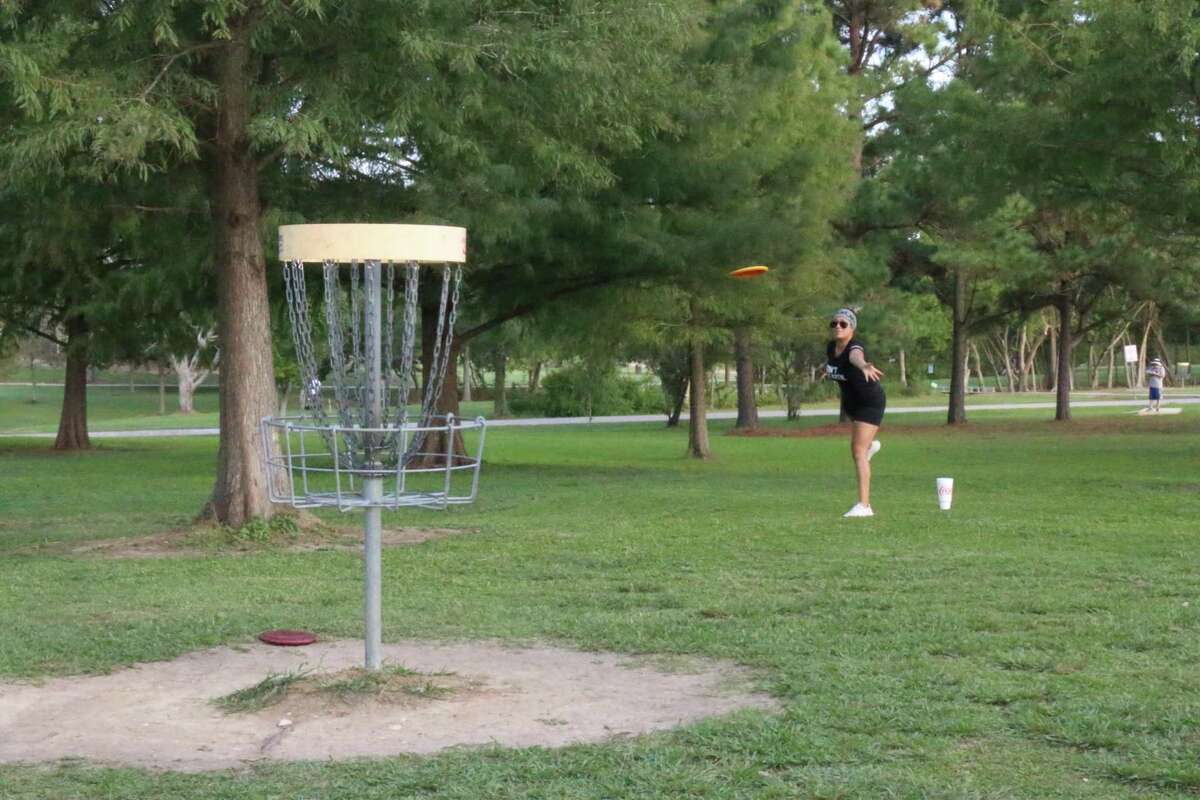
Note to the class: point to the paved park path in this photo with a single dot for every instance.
(770, 414)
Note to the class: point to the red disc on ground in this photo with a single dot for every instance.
(287, 638)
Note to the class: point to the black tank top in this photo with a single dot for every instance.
(856, 389)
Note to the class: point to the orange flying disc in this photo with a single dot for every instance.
(749, 272)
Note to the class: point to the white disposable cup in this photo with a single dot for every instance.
(945, 492)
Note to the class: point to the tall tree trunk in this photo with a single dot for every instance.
(697, 390)
(698, 409)
(678, 397)
(247, 387)
(1112, 363)
(72, 421)
(535, 376)
(1035, 349)
(991, 357)
(466, 368)
(500, 397)
(1052, 373)
(957, 412)
(187, 394)
(1062, 400)
(1163, 352)
(447, 401)
(162, 390)
(903, 369)
(1022, 369)
(1008, 365)
(1093, 371)
(978, 364)
(1141, 370)
(283, 398)
(747, 403)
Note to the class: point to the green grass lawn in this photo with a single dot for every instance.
(113, 408)
(110, 408)
(1039, 641)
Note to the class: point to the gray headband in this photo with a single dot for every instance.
(848, 315)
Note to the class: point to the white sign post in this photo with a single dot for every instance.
(1131, 360)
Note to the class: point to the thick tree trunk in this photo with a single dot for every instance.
(535, 376)
(500, 399)
(187, 395)
(957, 411)
(747, 403)
(247, 387)
(698, 424)
(903, 368)
(1062, 400)
(72, 421)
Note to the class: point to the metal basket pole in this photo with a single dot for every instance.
(373, 482)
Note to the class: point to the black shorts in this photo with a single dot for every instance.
(870, 413)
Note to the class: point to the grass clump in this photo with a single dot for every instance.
(387, 684)
(390, 684)
(281, 527)
(264, 694)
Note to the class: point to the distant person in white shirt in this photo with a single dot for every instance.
(1155, 374)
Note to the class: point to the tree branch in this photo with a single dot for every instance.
(523, 309)
(38, 332)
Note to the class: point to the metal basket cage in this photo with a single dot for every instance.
(312, 464)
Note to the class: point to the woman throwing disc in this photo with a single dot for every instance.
(863, 400)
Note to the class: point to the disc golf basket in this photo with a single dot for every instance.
(360, 445)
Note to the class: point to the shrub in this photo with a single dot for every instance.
(579, 391)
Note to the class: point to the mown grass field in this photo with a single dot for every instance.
(1039, 641)
(24, 409)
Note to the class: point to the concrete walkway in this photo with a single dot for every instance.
(770, 414)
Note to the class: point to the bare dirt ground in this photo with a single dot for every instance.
(161, 715)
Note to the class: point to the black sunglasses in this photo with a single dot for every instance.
(839, 323)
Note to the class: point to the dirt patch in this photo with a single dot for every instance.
(162, 715)
(188, 542)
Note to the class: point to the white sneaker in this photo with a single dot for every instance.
(873, 449)
(859, 510)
